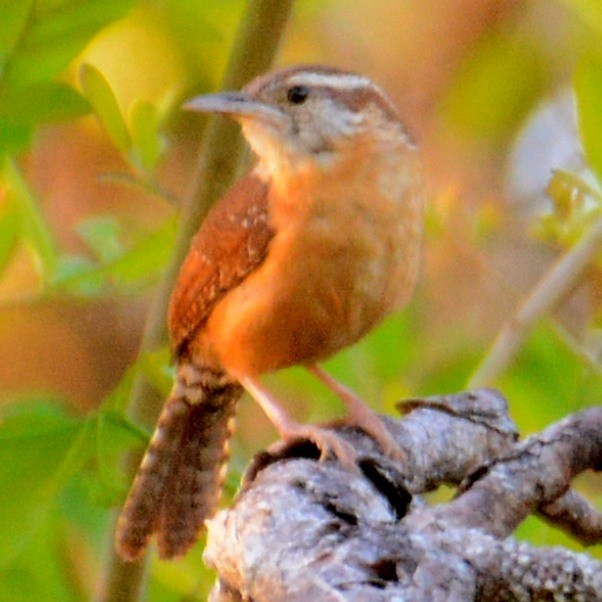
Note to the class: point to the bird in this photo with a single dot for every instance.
(302, 257)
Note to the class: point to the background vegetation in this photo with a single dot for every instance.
(504, 98)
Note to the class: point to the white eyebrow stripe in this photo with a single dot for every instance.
(337, 81)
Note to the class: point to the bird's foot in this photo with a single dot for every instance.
(360, 415)
(327, 441)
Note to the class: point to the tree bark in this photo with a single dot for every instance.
(301, 529)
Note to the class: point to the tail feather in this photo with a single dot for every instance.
(181, 475)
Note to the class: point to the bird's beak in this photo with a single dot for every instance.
(237, 104)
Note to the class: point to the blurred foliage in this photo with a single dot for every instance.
(588, 89)
(576, 205)
(481, 102)
(128, 64)
(38, 41)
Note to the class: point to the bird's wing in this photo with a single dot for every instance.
(231, 243)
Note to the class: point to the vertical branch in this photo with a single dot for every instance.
(555, 284)
(261, 29)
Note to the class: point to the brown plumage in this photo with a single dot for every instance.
(180, 479)
(232, 242)
(298, 260)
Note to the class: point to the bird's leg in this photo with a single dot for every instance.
(326, 440)
(359, 414)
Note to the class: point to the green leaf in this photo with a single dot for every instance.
(146, 140)
(101, 235)
(22, 109)
(34, 229)
(37, 41)
(14, 138)
(9, 229)
(56, 34)
(41, 448)
(116, 433)
(80, 273)
(100, 94)
(588, 90)
(114, 436)
(141, 264)
(15, 16)
(42, 102)
(146, 259)
(41, 571)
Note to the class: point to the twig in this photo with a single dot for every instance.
(555, 284)
(537, 472)
(576, 516)
(255, 46)
(590, 358)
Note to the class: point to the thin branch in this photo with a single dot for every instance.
(262, 27)
(556, 283)
(537, 472)
(589, 358)
(576, 516)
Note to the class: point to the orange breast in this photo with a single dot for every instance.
(341, 259)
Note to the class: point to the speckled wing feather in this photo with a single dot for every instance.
(232, 242)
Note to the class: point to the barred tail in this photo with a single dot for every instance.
(179, 481)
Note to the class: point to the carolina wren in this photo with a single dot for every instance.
(298, 260)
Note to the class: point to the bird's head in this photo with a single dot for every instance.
(308, 115)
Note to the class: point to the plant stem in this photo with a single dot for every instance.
(261, 29)
(555, 284)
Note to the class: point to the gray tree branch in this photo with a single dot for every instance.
(307, 530)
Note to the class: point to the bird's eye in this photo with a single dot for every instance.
(297, 94)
